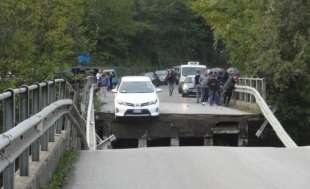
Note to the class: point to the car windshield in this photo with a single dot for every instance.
(161, 72)
(188, 80)
(148, 74)
(191, 70)
(136, 87)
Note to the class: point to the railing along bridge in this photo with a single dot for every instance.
(33, 116)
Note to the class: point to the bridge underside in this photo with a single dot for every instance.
(192, 167)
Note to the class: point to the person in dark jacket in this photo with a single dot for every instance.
(171, 79)
(203, 80)
(213, 86)
(228, 88)
(197, 86)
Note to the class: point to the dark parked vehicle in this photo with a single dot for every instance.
(154, 78)
(114, 75)
(162, 74)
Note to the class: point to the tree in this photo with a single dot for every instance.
(149, 34)
(268, 39)
(38, 38)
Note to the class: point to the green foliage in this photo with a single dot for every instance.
(59, 177)
(37, 38)
(149, 34)
(269, 39)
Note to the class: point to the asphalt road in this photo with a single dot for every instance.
(193, 168)
(175, 104)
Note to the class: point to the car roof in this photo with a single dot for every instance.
(161, 71)
(195, 66)
(108, 70)
(135, 78)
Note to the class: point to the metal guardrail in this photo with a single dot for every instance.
(32, 116)
(88, 111)
(257, 83)
(274, 122)
(90, 80)
(19, 104)
(90, 121)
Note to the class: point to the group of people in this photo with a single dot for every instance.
(104, 81)
(214, 88)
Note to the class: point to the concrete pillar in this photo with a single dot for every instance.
(208, 140)
(174, 141)
(243, 135)
(142, 143)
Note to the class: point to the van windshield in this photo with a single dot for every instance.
(191, 70)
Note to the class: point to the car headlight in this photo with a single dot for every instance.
(121, 102)
(149, 103)
(185, 87)
(124, 103)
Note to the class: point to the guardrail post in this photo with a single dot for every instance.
(51, 134)
(24, 114)
(67, 128)
(24, 163)
(24, 105)
(63, 90)
(9, 112)
(51, 96)
(57, 88)
(251, 85)
(8, 177)
(35, 150)
(36, 93)
(44, 141)
(35, 147)
(44, 96)
(264, 88)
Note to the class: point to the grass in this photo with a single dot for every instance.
(60, 176)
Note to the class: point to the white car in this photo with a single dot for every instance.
(188, 86)
(136, 96)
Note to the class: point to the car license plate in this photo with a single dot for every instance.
(137, 111)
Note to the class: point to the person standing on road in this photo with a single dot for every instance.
(203, 80)
(213, 88)
(228, 88)
(104, 81)
(197, 86)
(110, 81)
(98, 79)
(171, 79)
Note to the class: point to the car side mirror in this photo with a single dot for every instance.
(158, 90)
(114, 90)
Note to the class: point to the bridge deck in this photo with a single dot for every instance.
(177, 105)
(193, 167)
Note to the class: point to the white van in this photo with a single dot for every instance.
(190, 69)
